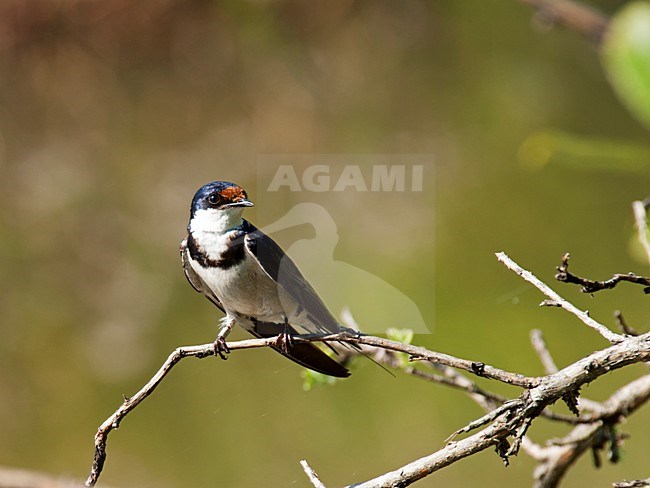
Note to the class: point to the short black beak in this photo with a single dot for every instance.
(240, 203)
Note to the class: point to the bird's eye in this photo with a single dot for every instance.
(214, 199)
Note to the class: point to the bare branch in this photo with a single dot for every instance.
(452, 378)
(572, 15)
(592, 286)
(557, 301)
(539, 345)
(543, 391)
(421, 354)
(558, 458)
(206, 350)
(632, 484)
(311, 474)
(512, 419)
(550, 389)
(113, 422)
(451, 453)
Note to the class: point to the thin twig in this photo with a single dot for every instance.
(641, 220)
(454, 379)
(311, 474)
(557, 301)
(451, 378)
(421, 354)
(486, 419)
(519, 436)
(623, 325)
(592, 286)
(533, 449)
(573, 15)
(539, 344)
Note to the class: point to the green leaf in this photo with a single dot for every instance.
(310, 379)
(626, 58)
(405, 336)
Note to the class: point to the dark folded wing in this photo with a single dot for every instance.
(195, 280)
(285, 273)
(305, 354)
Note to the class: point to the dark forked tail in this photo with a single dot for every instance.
(304, 353)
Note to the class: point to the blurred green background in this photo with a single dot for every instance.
(113, 113)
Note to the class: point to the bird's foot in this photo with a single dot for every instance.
(221, 349)
(284, 342)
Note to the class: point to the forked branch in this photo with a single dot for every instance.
(511, 420)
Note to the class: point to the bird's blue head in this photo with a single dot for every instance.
(219, 195)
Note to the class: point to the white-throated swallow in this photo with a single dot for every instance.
(247, 275)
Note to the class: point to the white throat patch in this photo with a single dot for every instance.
(216, 221)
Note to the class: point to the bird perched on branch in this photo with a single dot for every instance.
(247, 275)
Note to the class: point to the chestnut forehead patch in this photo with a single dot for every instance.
(233, 193)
